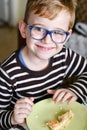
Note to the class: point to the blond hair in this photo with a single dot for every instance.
(50, 8)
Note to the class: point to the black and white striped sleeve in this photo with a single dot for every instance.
(5, 99)
(78, 67)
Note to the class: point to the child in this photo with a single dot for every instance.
(40, 68)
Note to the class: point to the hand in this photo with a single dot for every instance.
(22, 109)
(62, 95)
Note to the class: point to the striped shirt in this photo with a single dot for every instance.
(17, 81)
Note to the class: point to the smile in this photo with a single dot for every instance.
(44, 48)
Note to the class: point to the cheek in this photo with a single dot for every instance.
(27, 34)
(30, 43)
(59, 47)
(28, 37)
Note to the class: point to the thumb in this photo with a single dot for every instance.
(50, 91)
(31, 98)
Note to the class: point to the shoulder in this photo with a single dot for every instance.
(11, 62)
(68, 55)
(64, 53)
(73, 58)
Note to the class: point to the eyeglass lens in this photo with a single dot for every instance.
(38, 33)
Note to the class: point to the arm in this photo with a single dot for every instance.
(80, 88)
(77, 67)
(12, 113)
(74, 86)
(5, 100)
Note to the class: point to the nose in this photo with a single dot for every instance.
(47, 39)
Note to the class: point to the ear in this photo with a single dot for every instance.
(22, 29)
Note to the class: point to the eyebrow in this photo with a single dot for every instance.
(41, 25)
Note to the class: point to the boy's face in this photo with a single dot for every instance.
(45, 48)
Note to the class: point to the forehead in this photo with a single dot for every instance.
(61, 21)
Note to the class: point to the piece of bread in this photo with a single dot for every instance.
(54, 125)
(62, 121)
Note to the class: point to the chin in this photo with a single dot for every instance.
(45, 57)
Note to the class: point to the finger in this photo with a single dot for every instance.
(22, 110)
(20, 118)
(50, 91)
(74, 98)
(66, 97)
(31, 98)
(59, 96)
(25, 100)
(21, 114)
(23, 106)
(57, 92)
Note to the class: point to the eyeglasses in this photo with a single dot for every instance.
(39, 33)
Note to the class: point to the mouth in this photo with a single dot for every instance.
(44, 48)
